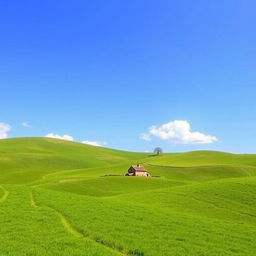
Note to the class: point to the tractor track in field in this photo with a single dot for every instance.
(70, 229)
(6, 194)
(64, 221)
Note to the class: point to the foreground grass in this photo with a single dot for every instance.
(121, 225)
(29, 230)
(56, 198)
(230, 200)
(109, 186)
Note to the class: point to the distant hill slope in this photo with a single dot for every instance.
(24, 160)
(202, 173)
(197, 158)
(27, 159)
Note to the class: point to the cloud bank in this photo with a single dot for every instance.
(145, 137)
(60, 137)
(71, 138)
(26, 125)
(4, 129)
(179, 132)
(94, 143)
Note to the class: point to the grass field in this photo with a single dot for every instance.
(57, 198)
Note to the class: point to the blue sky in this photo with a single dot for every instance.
(107, 71)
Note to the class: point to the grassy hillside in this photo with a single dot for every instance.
(121, 225)
(202, 173)
(57, 198)
(232, 200)
(109, 186)
(27, 159)
(199, 158)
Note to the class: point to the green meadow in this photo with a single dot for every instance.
(64, 198)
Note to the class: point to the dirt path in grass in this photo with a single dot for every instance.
(6, 194)
(64, 221)
(70, 229)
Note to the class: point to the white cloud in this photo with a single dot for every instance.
(179, 132)
(70, 138)
(26, 125)
(4, 129)
(61, 137)
(145, 136)
(94, 143)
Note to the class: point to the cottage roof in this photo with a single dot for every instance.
(139, 168)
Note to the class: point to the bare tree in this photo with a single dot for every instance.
(158, 151)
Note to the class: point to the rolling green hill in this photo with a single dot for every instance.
(202, 158)
(65, 198)
(27, 159)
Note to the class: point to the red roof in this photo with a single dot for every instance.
(139, 168)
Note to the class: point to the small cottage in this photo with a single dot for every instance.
(137, 170)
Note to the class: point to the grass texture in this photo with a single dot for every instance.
(63, 198)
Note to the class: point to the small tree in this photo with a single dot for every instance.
(158, 151)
